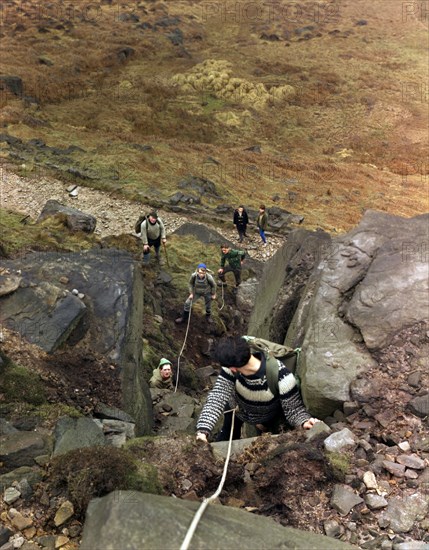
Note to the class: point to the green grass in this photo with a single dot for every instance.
(50, 234)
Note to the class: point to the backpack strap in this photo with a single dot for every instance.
(272, 372)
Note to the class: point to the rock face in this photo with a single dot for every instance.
(344, 300)
(108, 318)
(282, 282)
(394, 291)
(130, 520)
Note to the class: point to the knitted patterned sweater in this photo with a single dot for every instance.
(252, 395)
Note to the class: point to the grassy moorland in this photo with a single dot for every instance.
(334, 93)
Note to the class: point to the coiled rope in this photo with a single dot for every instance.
(199, 513)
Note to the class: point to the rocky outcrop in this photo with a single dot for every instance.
(343, 300)
(92, 299)
(130, 520)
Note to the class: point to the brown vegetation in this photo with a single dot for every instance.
(353, 132)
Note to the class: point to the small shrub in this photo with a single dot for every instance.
(20, 384)
(96, 471)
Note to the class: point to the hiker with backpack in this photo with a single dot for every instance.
(235, 258)
(201, 285)
(162, 376)
(243, 382)
(152, 232)
(241, 219)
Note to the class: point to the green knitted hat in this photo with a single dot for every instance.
(164, 362)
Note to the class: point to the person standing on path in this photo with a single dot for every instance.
(241, 219)
(262, 223)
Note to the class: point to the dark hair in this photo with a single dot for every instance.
(262, 207)
(224, 245)
(232, 352)
(153, 214)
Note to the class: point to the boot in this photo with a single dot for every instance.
(184, 317)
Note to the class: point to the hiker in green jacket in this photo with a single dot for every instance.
(162, 376)
(235, 259)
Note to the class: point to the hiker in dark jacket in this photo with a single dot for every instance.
(241, 219)
(235, 258)
(243, 382)
(201, 285)
(262, 223)
(152, 232)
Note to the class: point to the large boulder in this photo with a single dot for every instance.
(339, 300)
(394, 292)
(75, 433)
(43, 314)
(130, 520)
(74, 218)
(21, 448)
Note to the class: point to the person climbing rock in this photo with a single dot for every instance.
(243, 382)
(201, 285)
(152, 232)
(162, 376)
(235, 259)
(241, 219)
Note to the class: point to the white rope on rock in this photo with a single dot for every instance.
(206, 501)
(183, 347)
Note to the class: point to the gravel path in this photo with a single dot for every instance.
(114, 215)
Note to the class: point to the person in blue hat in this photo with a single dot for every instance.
(201, 285)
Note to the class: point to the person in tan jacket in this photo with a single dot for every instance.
(162, 376)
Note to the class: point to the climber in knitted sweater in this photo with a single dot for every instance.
(243, 382)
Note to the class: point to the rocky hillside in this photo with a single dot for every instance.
(361, 476)
(319, 109)
(109, 109)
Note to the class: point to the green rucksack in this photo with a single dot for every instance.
(273, 351)
(138, 224)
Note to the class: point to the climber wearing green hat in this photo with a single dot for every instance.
(162, 376)
(201, 285)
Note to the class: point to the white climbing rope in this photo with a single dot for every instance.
(199, 513)
(223, 298)
(183, 347)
